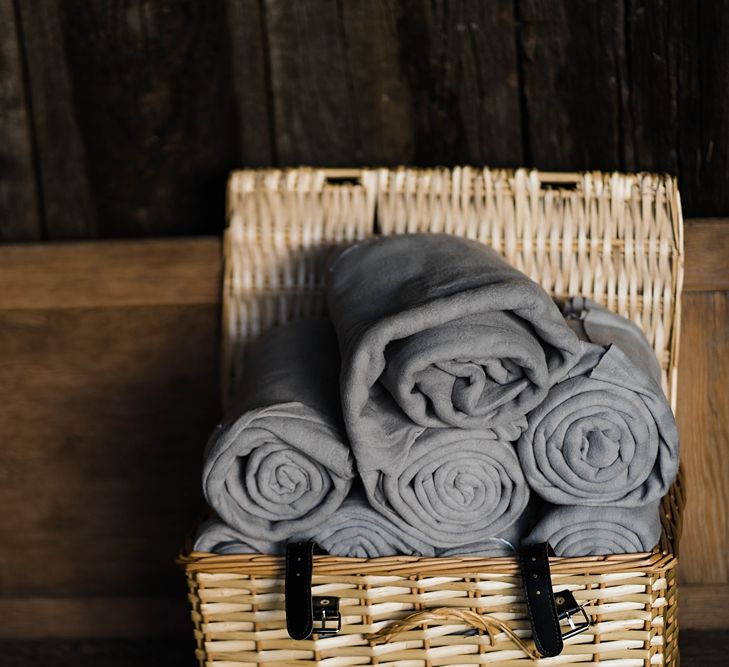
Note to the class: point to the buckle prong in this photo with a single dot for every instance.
(567, 609)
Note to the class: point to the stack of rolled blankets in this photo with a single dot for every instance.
(446, 407)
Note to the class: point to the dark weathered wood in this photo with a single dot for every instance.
(20, 218)
(703, 127)
(572, 57)
(649, 88)
(112, 616)
(250, 83)
(336, 92)
(459, 61)
(106, 652)
(62, 160)
(135, 131)
(698, 649)
(703, 607)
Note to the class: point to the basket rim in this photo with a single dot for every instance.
(264, 564)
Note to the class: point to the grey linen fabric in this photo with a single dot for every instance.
(506, 543)
(585, 531)
(593, 323)
(455, 488)
(606, 434)
(438, 331)
(358, 531)
(214, 536)
(280, 464)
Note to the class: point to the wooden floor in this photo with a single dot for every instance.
(698, 649)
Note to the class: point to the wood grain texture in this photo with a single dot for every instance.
(574, 73)
(250, 83)
(337, 94)
(108, 617)
(703, 127)
(68, 203)
(20, 217)
(110, 274)
(707, 255)
(459, 60)
(104, 415)
(703, 607)
(703, 418)
(152, 95)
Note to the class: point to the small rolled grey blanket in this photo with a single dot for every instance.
(438, 331)
(280, 463)
(217, 537)
(355, 530)
(606, 434)
(358, 531)
(456, 487)
(584, 531)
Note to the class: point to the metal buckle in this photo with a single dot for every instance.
(327, 619)
(567, 608)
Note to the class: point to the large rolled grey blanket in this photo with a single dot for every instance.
(606, 434)
(358, 531)
(456, 487)
(217, 537)
(506, 543)
(438, 331)
(584, 531)
(280, 463)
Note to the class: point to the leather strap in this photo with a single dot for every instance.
(534, 563)
(297, 588)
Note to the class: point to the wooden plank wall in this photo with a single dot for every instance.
(124, 119)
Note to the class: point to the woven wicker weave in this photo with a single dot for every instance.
(613, 237)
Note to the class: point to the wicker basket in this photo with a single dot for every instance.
(616, 238)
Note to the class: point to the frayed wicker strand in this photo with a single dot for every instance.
(443, 615)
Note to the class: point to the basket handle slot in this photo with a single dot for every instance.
(343, 176)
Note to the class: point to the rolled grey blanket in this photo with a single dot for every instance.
(456, 487)
(438, 331)
(280, 463)
(358, 531)
(505, 543)
(584, 531)
(606, 434)
(217, 537)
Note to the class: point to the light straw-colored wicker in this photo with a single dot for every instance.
(616, 238)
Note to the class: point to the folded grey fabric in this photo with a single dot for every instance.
(606, 434)
(457, 486)
(358, 531)
(592, 322)
(214, 536)
(280, 464)
(438, 331)
(505, 543)
(584, 531)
